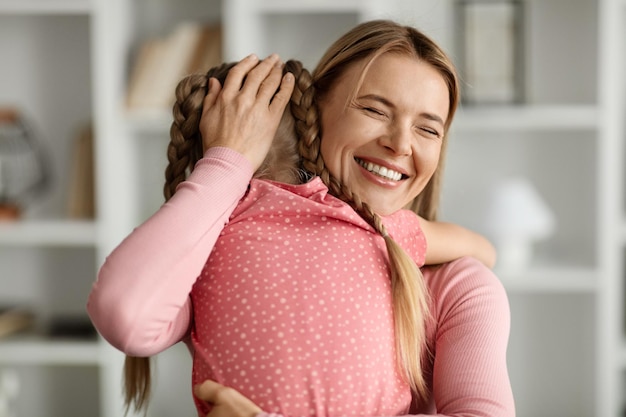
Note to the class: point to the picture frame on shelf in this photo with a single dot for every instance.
(490, 50)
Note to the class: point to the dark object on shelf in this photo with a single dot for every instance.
(74, 327)
(490, 50)
(24, 165)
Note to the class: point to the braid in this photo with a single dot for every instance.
(183, 152)
(185, 147)
(409, 292)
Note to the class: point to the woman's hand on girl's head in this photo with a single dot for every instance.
(225, 401)
(244, 113)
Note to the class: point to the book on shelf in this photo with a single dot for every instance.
(14, 319)
(81, 200)
(161, 63)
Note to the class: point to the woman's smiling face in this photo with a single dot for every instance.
(385, 144)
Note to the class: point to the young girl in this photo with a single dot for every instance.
(310, 301)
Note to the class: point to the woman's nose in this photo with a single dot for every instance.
(398, 140)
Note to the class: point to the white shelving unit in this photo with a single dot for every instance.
(527, 118)
(612, 93)
(49, 233)
(567, 352)
(47, 260)
(39, 351)
(59, 7)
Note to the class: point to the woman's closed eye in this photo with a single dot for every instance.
(430, 131)
(373, 111)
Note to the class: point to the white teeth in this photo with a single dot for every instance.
(380, 170)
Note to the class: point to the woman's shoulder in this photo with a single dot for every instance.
(462, 275)
(465, 285)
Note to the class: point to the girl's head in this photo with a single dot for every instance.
(282, 163)
(402, 90)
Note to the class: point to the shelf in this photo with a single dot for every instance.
(468, 118)
(34, 350)
(549, 280)
(310, 6)
(48, 233)
(45, 7)
(525, 118)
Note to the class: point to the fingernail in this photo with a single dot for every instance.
(252, 56)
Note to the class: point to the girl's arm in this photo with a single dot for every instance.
(140, 300)
(447, 242)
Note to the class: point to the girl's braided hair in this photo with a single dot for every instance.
(185, 149)
(295, 155)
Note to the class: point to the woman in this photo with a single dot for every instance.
(305, 307)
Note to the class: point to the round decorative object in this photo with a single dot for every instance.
(24, 170)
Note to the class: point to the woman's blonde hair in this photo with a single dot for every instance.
(366, 41)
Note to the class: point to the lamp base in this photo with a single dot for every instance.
(514, 254)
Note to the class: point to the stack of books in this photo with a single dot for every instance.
(14, 319)
(162, 62)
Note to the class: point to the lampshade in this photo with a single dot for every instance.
(517, 216)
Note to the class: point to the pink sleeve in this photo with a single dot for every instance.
(471, 331)
(470, 376)
(140, 301)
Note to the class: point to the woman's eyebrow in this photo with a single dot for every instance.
(433, 117)
(378, 98)
(430, 116)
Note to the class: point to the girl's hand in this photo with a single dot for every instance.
(244, 113)
(226, 402)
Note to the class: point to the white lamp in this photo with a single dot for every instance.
(517, 216)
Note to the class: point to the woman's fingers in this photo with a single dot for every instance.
(213, 91)
(244, 113)
(282, 97)
(225, 401)
(236, 74)
(262, 77)
(208, 391)
(255, 74)
(256, 80)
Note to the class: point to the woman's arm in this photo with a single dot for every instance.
(140, 300)
(447, 242)
(471, 332)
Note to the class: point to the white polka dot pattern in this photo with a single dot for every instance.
(293, 307)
